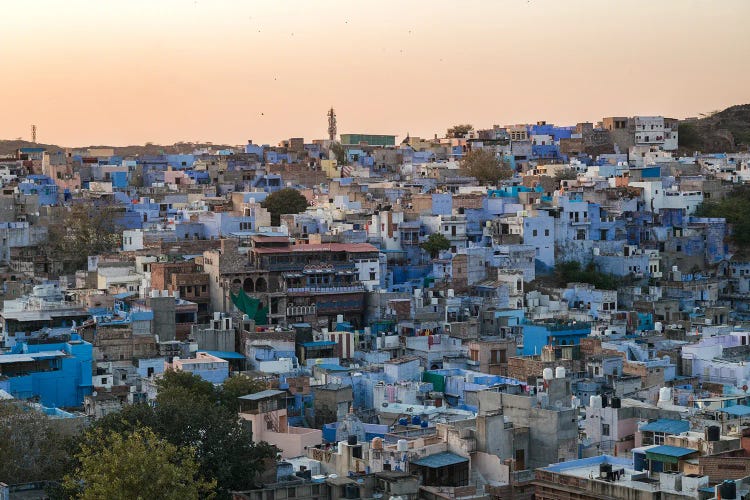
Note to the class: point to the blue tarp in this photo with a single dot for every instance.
(440, 460)
(737, 410)
(667, 426)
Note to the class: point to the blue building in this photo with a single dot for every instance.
(40, 185)
(58, 374)
(555, 333)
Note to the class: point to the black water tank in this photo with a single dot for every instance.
(352, 439)
(616, 402)
(728, 490)
(605, 401)
(605, 470)
(351, 491)
(713, 433)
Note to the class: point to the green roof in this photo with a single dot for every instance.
(668, 454)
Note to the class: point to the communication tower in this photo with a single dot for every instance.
(331, 124)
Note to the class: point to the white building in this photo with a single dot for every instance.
(656, 131)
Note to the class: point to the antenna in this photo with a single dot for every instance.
(331, 124)
(33, 134)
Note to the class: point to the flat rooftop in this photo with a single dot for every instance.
(588, 468)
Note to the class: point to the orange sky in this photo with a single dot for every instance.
(230, 70)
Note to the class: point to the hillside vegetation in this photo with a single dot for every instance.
(725, 131)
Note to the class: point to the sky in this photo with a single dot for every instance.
(227, 71)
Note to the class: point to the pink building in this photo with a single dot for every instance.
(266, 411)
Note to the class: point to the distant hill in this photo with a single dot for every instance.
(10, 146)
(727, 130)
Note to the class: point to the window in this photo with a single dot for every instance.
(533, 233)
(372, 275)
(605, 429)
(546, 232)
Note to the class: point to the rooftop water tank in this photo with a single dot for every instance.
(547, 374)
(665, 395)
(402, 445)
(560, 372)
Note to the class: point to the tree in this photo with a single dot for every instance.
(566, 174)
(435, 243)
(84, 230)
(459, 131)
(572, 272)
(138, 465)
(285, 201)
(340, 153)
(188, 414)
(735, 208)
(31, 447)
(239, 385)
(485, 167)
(173, 379)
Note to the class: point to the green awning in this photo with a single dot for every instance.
(250, 306)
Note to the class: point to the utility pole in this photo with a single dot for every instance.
(33, 134)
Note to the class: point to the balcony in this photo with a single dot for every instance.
(325, 289)
(300, 310)
(471, 362)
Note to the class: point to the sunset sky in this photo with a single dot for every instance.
(105, 72)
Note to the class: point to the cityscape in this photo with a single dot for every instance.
(514, 309)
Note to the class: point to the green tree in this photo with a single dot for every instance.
(285, 201)
(566, 174)
(172, 379)
(239, 385)
(735, 208)
(339, 152)
(83, 230)
(688, 136)
(188, 414)
(572, 272)
(136, 465)
(31, 448)
(435, 243)
(459, 131)
(485, 167)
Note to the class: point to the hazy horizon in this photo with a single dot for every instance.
(225, 72)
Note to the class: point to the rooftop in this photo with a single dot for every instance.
(440, 460)
(670, 451)
(668, 426)
(268, 393)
